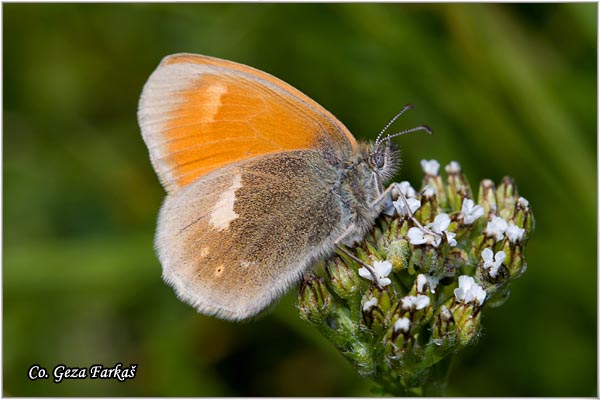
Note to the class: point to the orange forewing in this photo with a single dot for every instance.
(227, 112)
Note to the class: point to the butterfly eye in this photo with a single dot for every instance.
(378, 160)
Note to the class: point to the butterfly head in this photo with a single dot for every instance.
(383, 156)
(383, 159)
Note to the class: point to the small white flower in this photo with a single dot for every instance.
(496, 227)
(370, 304)
(406, 189)
(470, 211)
(402, 324)
(421, 281)
(523, 202)
(453, 168)
(400, 206)
(450, 238)
(417, 236)
(421, 302)
(408, 302)
(491, 261)
(389, 207)
(382, 270)
(468, 291)
(415, 302)
(445, 313)
(439, 225)
(432, 281)
(514, 233)
(428, 191)
(430, 167)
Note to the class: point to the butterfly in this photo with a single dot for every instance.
(261, 182)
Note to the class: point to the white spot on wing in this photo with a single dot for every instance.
(214, 93)
(248, 264)
(222, 213)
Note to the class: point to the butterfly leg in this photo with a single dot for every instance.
(339, 246)
(388, 192)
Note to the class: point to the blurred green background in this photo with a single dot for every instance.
(508, 89)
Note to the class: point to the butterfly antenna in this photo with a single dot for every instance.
(404, 109)
(416, 128)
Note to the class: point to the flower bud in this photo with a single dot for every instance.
(443, 330)
(480, 243)
(375, 305)
(343, 280)
(517, 263)
(429, 204)
(397, 339)
(314, 301)
(487, 196)
(398, 254)
(396, 230)
(391, 231)
(467, 319)
(434, 181)
(385, 297)
(416, 260)
(418, 308)
(424, 259)
(466, 306)
(455, 259)
(372, 316)
(523, 217)
(458, 187)
(506, 196)
(431, 261)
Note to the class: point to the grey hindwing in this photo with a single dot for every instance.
(236, 239)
